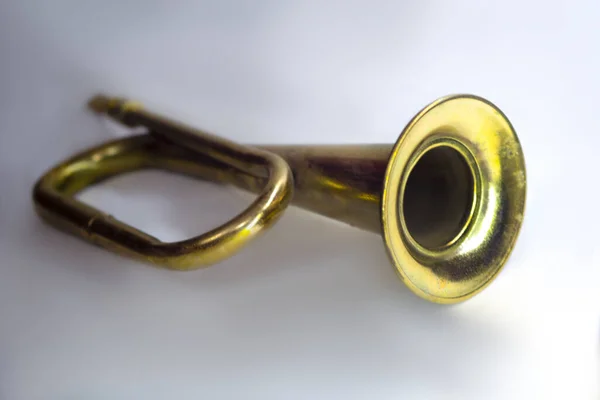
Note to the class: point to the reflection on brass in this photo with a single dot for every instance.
(448, 197)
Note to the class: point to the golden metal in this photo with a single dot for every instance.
(448, 196)
(53, 194)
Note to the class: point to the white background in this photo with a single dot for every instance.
(313, 309)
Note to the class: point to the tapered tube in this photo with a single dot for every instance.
(340, 182)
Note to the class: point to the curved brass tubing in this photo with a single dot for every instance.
(448, 197)
(266, 173)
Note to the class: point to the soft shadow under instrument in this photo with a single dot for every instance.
(448, 197)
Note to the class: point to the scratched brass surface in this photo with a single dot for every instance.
(448, 196)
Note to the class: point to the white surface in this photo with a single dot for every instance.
(313, 309)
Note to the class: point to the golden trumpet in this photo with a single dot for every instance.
(448, 197)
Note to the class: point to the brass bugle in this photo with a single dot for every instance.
(448, 197)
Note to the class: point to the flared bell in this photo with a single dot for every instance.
(448, 197)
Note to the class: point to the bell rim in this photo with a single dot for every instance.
(485, 137)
